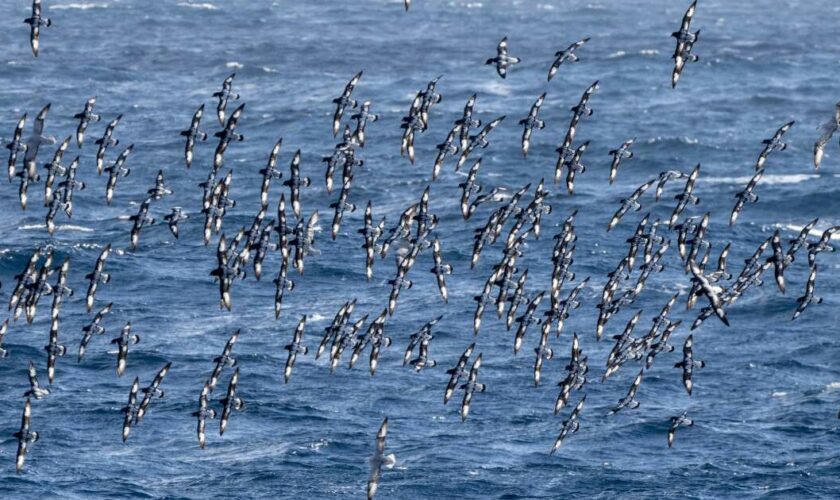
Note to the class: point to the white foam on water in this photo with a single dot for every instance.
(79, 6)
(813, 232)
(496, 88)
(233, 64)
(777, 179)
(204, 6)
(778, 394)
(60, 227)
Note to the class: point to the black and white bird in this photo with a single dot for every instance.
(379, 460)
(688, 363)
(223, 96)
(85, 117)
(151, 392)
(808, 298)
(570, 425)
(532, 122)
(685, 43)
(503, 59)
(125, 339)
(97, 276)
(25, 436)
(827, 130)
(36, 22)
(93, 328)
(16, 146)
(773, 144)
(35, 389)
(106, 141)
(676, 423)
(562, 56)
(295, 348)
(193, 134)
(455, 374)
(621, 153)
(343, 101)
(230, 402)
(470, 387)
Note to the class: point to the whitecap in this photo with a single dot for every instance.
(813, 232)
(60, 227)
(79, 6)
(233, 64)
(779, 394)
(204, 6)
(496, 88)
(767, 179)
(833, 385)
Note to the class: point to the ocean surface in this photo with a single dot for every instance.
(765, 406)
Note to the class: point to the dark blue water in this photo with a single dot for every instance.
(765, 406)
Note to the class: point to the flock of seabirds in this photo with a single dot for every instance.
(516, 221)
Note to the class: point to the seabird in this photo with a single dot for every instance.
(688, 364)
(379, 460)
(115, 171)
(97, 276)
(227, 135)
(204, 412)
(440, 270)
(35, 23)
(295, 182)
(54, 169)
(471, 387)
(130, 409)
(363, 117)
(35, 389)
(230, 402)
(16, 146)
(35, 141)
(85, 117)
(226, 359)
(375, 336)
(562, 56)
(531, 122)
(827, 129)
(224, 96)
(677, 422)
(54, 350)
(343, 101)
(629, 401)
(746, 196)
(174, 218)
(685, 43)
(25, 437)
(809, 297)
(294, 349)
(712, 292)
(502, 59)
(93, 328)
(621, 153)
(152, 391)
(773, 144)
(123, 341)
(192, 134)
(105, 142)
(570, 426)
(457, 372)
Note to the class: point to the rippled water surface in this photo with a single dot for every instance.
(765, 405)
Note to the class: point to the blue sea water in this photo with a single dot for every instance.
(765, 405)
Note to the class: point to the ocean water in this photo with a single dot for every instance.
(765, 406)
